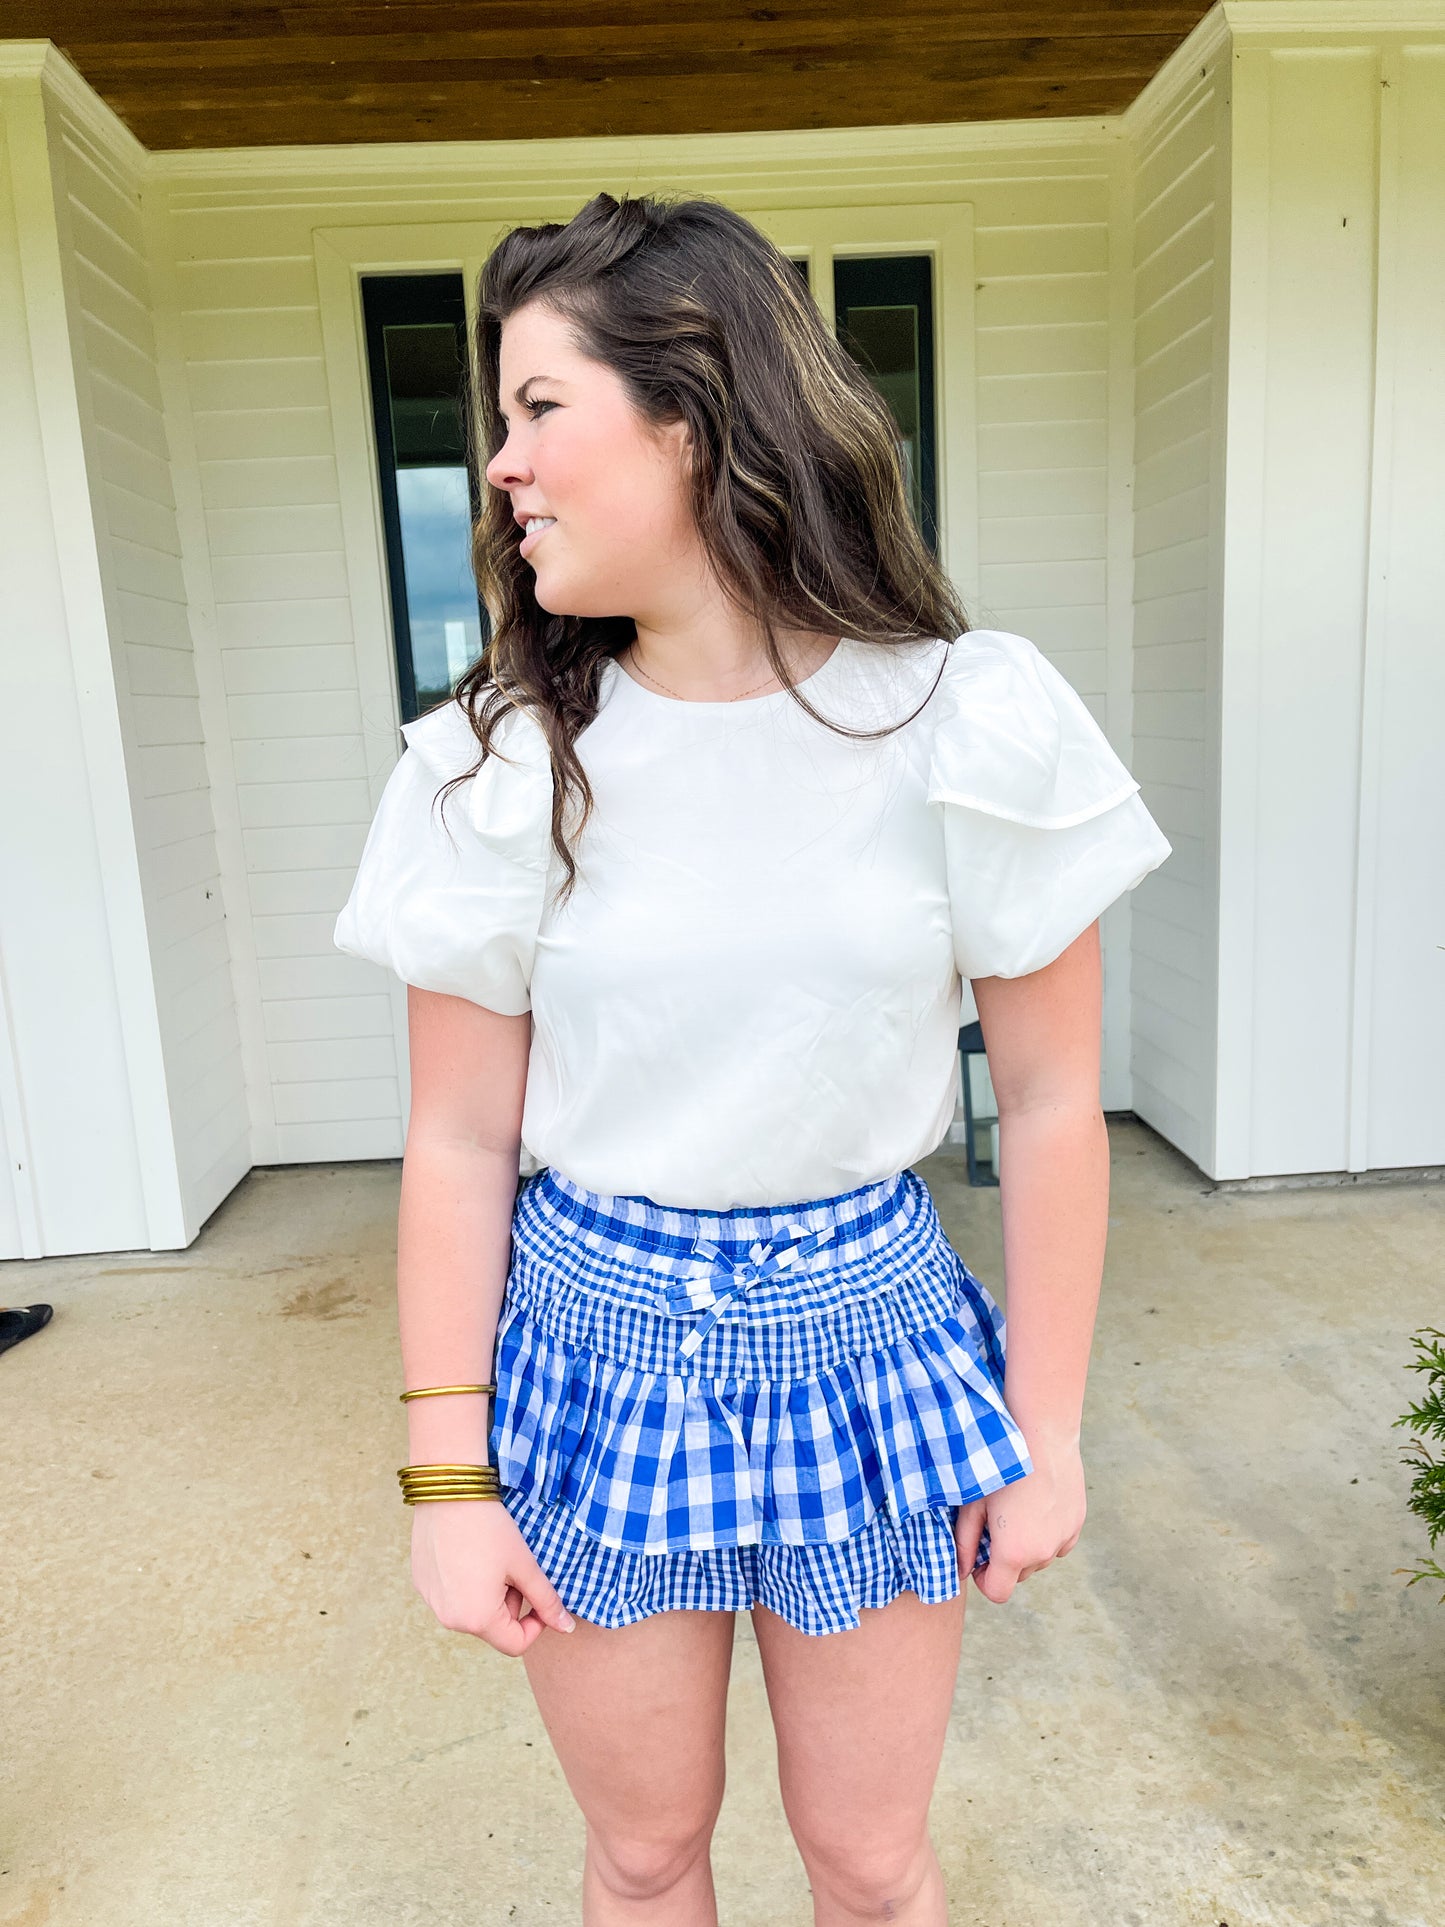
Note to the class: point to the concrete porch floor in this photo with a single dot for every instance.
(226, 1704)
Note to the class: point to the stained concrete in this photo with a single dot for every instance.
(226, 1706)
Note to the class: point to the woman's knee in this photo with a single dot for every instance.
(866, 1876)
(648, 1863)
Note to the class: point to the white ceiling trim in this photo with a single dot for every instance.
(1290, 18)
(62, 81)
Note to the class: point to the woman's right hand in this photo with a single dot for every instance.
(474, 1569)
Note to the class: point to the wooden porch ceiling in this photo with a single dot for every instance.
(193, 74)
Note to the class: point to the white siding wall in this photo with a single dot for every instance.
(1052, 495)
(1398, 1044)
(1043, 257)
(151, 646)
(115, 1031)
(290, 651)
(1179, 296)
(1332, 880)
(249, 332)
(67, 1090)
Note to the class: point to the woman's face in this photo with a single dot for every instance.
(620, 539)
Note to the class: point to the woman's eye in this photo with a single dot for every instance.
(533, 406)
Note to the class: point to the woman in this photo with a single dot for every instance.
(683, 883)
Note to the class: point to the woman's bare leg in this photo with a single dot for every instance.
(637, 1716)
(861, 1718)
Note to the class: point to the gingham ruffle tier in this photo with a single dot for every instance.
(782, 1404)
(819, 1588)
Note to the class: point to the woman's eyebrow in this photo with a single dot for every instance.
(521, 392)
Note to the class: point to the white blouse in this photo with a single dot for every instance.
(753, 995)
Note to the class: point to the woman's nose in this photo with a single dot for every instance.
(506, 469)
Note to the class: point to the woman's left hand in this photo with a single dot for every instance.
(1031, 1523)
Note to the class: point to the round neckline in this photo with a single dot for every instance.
(733, 702)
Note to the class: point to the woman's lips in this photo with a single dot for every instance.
(529, 542)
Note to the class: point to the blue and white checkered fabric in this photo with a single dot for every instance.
(782, 1404)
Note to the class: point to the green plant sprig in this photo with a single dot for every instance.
(1427, 1418)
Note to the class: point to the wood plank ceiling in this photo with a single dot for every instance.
(191, 74)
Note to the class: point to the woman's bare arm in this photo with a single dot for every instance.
(1042, 1036)
(454, 1242)
(1042, 1032)
(454, 1228)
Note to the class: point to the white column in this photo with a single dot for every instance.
(1332, 788)
(90, 1153)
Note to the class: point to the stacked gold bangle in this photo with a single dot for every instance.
(423, 1484)
(430, 1482)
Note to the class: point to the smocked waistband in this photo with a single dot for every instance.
(858, 1221)
(665, 1290)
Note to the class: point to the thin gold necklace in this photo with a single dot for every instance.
(688, 699)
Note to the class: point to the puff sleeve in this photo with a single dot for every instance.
(1043, 825)
(449, 894)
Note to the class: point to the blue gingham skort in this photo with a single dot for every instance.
(780, 1404)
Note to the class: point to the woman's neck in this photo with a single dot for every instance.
(716, 669)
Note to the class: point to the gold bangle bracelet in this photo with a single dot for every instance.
(451, 1485)
(450, 1478)
(435, 1498)
(410, 1498)
(446, 1478)
(432, 1474)
(433, 1391)
(459, 1484)
(410, 1495)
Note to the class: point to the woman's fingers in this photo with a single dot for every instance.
(1032, 1522)
(967, 1531)
(527, 1607)
(507, 1631)
(998, 1578)
(541, 1595)
(479, 1576)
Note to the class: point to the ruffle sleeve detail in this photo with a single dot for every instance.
(449, 892)
(1043, 825)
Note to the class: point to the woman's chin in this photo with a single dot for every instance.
(553, 598)
(559, 606)
(568, 599)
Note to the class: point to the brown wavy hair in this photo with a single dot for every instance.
(798, 490)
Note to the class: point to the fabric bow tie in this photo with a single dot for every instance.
(729, 1278)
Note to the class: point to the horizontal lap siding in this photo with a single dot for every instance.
(1045, 254)
(250, 334)
(1042, 357)
(1175, 472)
(151, 646)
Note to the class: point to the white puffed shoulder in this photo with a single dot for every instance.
(449, 891)
(1043, 824)
(510, 800)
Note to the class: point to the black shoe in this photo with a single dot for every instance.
(19, 1321)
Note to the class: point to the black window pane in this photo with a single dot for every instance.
(416, 351)
(424, 377)
(885, 321)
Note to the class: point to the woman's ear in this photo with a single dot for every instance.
(677, 439)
